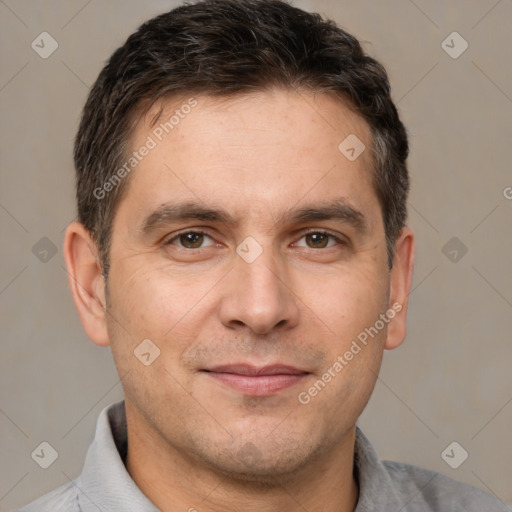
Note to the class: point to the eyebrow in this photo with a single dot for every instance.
(337, 210)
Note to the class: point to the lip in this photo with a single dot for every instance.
(256, 381)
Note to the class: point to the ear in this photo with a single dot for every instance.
(401, 279)
(86, 281)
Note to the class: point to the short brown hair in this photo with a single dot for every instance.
(225, 47)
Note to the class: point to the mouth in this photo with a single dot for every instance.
(256, 381)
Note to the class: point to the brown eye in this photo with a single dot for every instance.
(190, 240)
(317, 240)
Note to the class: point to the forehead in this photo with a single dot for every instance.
(251, 153)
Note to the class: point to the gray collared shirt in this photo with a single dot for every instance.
(106, 486)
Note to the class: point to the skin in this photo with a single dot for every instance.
(195, 442)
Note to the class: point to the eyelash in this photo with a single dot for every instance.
(201, 232)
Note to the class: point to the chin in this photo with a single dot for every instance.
(259, 462)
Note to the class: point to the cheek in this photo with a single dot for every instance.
(347, 301)
(149, 298)
(151, 303)
(353, 349)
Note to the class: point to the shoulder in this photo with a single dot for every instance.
(425, 488)
(62, 499)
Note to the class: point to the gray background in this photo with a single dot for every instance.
(450, 381)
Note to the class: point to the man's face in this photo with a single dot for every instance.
(249, 311)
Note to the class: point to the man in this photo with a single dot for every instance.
(242, 248)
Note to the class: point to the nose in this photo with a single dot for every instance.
(258, 295)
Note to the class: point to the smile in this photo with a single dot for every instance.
(254, 381)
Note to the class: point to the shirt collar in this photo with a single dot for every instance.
(375, 485)
(106, 485)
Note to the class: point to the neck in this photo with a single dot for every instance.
(172, 481)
